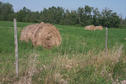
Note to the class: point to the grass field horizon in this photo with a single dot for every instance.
(80, 59)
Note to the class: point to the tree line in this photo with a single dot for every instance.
(57, 15)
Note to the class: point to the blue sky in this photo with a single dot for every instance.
(118, 6)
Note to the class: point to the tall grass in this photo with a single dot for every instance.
(86, 69)
(80, 68)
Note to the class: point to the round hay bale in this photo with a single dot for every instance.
(42, 34)
(98, 27)
(27, 32)
(90, 27)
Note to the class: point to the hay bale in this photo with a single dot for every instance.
(42, 34)
(90, 27)
(27, 32)
(98, 28)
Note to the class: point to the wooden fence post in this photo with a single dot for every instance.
(106, 42)
(16, 46)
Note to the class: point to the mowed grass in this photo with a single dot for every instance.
(77, 45)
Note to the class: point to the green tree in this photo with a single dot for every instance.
(110, 19)
(57, 15)
(24, 15)
(6, 11)
(96, 17)
(34, 17)
(85, 15)
(52, 14)
(70, 18)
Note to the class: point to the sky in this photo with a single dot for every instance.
(118, 6)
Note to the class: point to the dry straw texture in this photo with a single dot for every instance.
(27, 32)
(30, 71)
(42, 34)
(92, 27)
(98, 27)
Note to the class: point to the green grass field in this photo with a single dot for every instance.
(79, 60)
